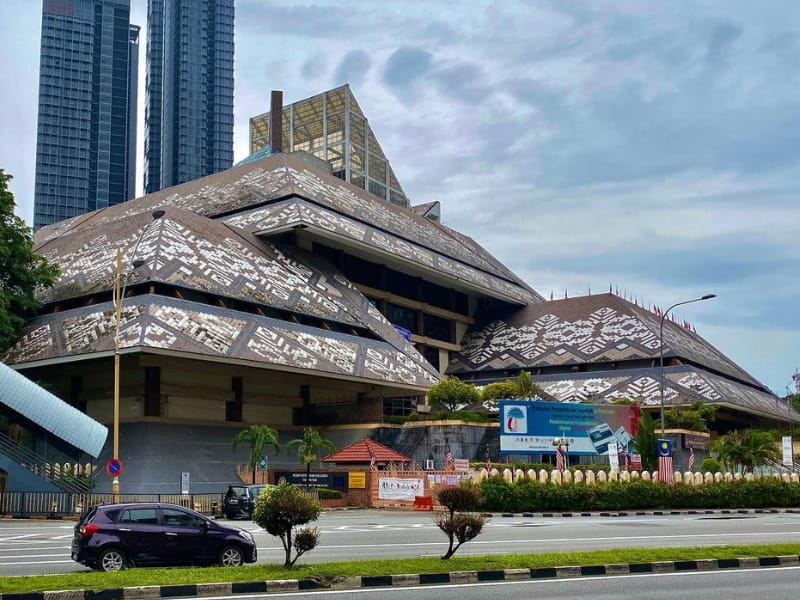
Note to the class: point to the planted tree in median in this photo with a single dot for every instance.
(458, 520)
(280, 510)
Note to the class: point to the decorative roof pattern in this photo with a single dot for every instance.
(50, 412)
(297, 212)
(151, 321)
(601, 328)
(192, 252)
(682, 385)
(280, 176)
(362, 451)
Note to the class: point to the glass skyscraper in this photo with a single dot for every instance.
(189, 105)
(86, 136)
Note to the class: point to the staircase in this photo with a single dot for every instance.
(53, 472)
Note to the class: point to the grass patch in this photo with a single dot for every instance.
(334, 570)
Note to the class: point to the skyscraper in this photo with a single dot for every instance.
(86, 136)
(189, 104)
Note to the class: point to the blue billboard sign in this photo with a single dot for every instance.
(529, 427)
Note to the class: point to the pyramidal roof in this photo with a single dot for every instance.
(362, 451)
(586, 329)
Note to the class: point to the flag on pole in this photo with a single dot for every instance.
(560, 462)
(488, 461)
(448, 459)
(691, 459)
(373, 462)
(665, 474)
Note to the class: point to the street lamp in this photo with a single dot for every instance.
(118, 298)
(661, 349)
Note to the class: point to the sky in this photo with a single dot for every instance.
(652, 148)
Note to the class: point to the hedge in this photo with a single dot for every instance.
(531, 496)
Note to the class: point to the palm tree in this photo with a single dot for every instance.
(308, 447)
(645, 441)
(746, 449)
(258, 437)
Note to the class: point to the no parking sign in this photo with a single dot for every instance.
(114, 467)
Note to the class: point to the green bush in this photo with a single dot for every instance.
(710, 465)
(326, 494)
(532, 496)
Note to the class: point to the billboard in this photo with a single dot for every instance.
(529, 427)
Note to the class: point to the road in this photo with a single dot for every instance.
(42, 547)
(775, 584)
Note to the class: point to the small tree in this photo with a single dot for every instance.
(279, 510)
(645, 441)
(457, 524)
(499, 390)
(451, 393)
(308, 448)
(746, 450)
(22, 271)
(258, 437)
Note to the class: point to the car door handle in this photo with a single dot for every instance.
(124, 529)
(172, 534)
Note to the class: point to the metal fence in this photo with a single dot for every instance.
(65, 504)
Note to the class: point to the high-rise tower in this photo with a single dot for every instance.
(189, 105)
(86, 136)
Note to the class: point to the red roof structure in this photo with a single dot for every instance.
(361, 452)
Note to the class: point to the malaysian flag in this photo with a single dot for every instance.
(448, 459)
(665, 474)
(560, 459)
(488, 462)
(373, 462)
(691, 459)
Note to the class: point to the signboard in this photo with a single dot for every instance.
(529, 427)
(357, 480)
(395, 488)
(636, 462)
(298, 478)
(787, 450)
(263, 464)
(114, 467)
(184, 482)
(461, 464)
(613, 456)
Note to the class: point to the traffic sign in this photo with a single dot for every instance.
(114, 467)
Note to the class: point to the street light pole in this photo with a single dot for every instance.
(118, 297)
(661, 350)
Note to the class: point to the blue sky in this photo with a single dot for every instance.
(653, 147)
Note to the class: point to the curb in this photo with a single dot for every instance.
(649, 513)
(455, 577)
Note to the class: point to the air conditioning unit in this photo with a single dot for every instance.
(429, 465)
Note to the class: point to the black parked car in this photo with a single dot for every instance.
(111, 537)
(238, 502)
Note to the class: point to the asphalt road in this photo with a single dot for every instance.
(773, 583)
(42, 547)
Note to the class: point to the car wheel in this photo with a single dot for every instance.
(111, 559)
(231, 556)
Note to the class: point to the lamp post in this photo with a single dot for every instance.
(661, 350)
(118, 298)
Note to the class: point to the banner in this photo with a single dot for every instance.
(394, 488)
(529, 427)
(787, 450)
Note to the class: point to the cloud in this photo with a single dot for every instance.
(404, 68)
(353, 67)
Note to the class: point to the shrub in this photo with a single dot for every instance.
(454, 521)
(279, 510)
(326, 494)
(710, 465)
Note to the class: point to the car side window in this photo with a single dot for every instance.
(178, 518)
(140, 516)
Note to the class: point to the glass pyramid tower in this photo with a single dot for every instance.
(331, 126)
